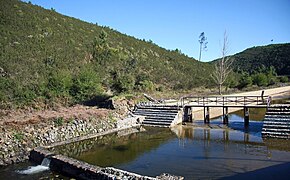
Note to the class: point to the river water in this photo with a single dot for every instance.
(194, 151)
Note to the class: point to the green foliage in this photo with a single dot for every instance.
(45, 55)
(59, 121)
(260, 79)
(18, 136)
(284, 79)
(245, 81)
(263, 77)
(60, 82)
(146, 85)
(123, 82)
(232, 80)
(86, 85)
(253, 59)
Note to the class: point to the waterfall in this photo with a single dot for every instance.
(45, 162)
(36, 169)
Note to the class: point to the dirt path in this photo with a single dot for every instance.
(274, 92)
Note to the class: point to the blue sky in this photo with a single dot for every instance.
(178, 23)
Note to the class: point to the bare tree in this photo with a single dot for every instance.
(222, 66)
(202, 44)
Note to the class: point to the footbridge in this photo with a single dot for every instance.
(168, 113)
(224, 102)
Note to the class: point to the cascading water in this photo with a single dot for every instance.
(36, 169)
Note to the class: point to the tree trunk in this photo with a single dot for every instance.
(200, 52)
(220, 89)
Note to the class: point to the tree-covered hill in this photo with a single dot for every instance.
(47, 56)
(261, 57)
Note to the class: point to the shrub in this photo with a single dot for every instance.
(246, 80)
(260, 79)
(123, 83)
(284, 79)
(18, 136)
(59, 121)
(86, 85)
(60, 82)
(146, 85)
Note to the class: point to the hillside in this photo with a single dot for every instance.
(47, 56)
(255, 58)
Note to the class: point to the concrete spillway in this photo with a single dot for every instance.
(161, 116)
(277, 122)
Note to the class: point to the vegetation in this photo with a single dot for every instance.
(46, 57)
(256, 58)
(202, 44)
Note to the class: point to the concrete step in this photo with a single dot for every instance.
(271, 130)
(279, 127)
(275, 133)
(158, 109)
(161, 114)
(276, 124)
(158, 120)
(156, 123)
(280, 136)
(154, 111)
(277, 116)
(277, 119)
(158, 106)
(278, 113)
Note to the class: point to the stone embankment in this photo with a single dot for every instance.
(21, 131)
(16, 144)
(62, 163)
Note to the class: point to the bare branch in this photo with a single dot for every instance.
(223, 66)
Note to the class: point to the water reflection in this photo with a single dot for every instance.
(195, 152)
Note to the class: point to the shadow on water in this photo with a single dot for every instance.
(280, 171)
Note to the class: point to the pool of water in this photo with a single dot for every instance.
(194, 151)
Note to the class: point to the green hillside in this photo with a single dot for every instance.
(261, 57)
(47, 56)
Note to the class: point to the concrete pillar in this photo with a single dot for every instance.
(187, 114)
(206, 115)
(225, 115)
(246, 116)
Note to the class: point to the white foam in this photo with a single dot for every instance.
(36, 169)
(33, 169)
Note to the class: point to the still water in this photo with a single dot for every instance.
(194, 151)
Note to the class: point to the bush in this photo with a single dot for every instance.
(123, 83)
(145, 85)
(284, 79)
(245, 81)
(260, 79)
(60, 82)
(86, 85)
(59, 121)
